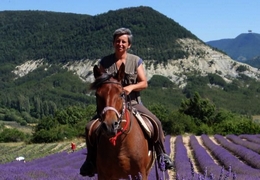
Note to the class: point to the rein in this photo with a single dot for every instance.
(113, 139)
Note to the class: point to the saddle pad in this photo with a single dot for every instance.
(142, 122)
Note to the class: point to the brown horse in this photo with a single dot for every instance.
(123, 148)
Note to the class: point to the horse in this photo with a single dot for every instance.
(123, 149)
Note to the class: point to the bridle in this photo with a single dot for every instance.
(120, 115)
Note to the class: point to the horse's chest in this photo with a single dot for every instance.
(115, 155)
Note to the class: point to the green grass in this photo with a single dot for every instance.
(13, 124)
(9, 151)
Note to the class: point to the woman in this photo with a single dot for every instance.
(134, 81)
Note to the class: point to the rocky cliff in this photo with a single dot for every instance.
(202, 60)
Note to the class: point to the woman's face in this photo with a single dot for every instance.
(121, 43)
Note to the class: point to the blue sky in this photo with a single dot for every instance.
(207, 19)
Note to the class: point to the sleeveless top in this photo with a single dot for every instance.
(131, 65)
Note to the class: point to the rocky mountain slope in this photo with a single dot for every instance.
(202, 60)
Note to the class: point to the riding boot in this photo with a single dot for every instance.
(164, 160)
(89, 166)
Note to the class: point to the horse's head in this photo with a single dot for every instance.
(110, 99)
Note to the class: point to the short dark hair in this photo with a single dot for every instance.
(122, 31)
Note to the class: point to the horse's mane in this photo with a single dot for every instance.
(100, 80)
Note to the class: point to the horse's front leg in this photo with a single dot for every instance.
(143, 175)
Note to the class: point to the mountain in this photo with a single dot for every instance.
(245, 46)
(46, 62)
(62, 37)
(255, 62)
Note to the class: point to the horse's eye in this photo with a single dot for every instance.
(122, 94)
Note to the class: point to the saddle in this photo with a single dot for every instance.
(148, 125)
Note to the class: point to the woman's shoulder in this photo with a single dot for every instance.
(133, 56)
(136, 60)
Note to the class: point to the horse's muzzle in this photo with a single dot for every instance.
(110, 129)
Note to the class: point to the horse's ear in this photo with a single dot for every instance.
(121, 72)
(96, 71)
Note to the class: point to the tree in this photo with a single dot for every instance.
(159, 111)
(23, 103)
(198, 108)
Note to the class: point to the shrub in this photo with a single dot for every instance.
(215, 79)
(241, 68)
(204, 129)
(179, 123)
(237, 126)
(44, 136)
(12, 135)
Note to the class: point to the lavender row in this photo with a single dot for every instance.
(251, 138)
(250, 145)
(183, 166)
(167, 145)
(252, 158)
(227, 159)
(205, 162)
(258, 135)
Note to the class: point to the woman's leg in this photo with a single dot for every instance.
(88, 168)
(159, 145)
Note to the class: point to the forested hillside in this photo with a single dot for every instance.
(61, 38)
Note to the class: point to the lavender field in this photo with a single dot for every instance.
(215, 157)
(62, 165)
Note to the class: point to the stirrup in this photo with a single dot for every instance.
(165, 162)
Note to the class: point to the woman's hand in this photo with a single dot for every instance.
(141, 82)
(128, 89)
